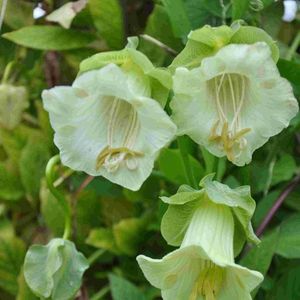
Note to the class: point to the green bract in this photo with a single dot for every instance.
(188, 209)
(203, 222)
(55, 270)
(234, 102)
(13, 101)
(107, 124)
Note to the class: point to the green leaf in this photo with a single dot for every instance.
(171, 165)
(49, 38)
(10, 185)
(197, 12)
(291, 71)
(12, 251)
(157, 20)
(259, 257)
(178, 17)
(13, 101)
(289, 239)
(6, 228)
(33, 161)
(128, 235)
(108, 19)
(288, 285)
(284, 169)
(103, 238)
(239, 8)
(122, 289)
(54, 270)
(18, 13)
(124, 237)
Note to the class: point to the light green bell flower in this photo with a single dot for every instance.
(203, 268)
(108, 124)
(191, 209)
(234, 101)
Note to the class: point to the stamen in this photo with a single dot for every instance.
(122, 115)
(236, 115)
(112, 120)
(229, 94)
(219, 107)
(209, 282)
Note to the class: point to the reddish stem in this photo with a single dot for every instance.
(290, 187)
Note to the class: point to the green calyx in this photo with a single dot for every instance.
(184, 205)
(206, 41)
(157, 80)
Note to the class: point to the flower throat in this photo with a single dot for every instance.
(122, 131)
(229, 92)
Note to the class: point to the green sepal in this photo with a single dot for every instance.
(252, 35)
(206, 41)
(137, 64)
(184, 203)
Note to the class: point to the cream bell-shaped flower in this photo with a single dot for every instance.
(233, 102)
(106, 124)
(203, 267)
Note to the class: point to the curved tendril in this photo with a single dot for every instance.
(58, 195)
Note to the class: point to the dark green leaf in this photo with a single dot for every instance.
(239, 7)
(33, 160)
(10, 185)
(12, 251)
(291, 71)
(171, 165)
(259, 258)
(108, 19)
(289, 239)
(124, 290)
(49, 38)
(178, 17)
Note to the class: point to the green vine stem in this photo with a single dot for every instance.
(58, 195)
(186, 162)
(293, 48)
(7, 71)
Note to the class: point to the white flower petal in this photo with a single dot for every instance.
(239, 87)
(103, 128)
